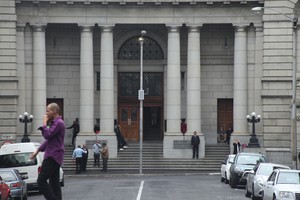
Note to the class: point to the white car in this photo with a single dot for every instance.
(225, 167)
(257, 177)
(17, 156)
(282, 184)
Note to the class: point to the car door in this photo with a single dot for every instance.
(268, 188)
(223, 167)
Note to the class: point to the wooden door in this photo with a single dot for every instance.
(225, 114)
(129, 122)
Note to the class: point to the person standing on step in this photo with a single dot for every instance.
(76, 129)
(85, 156)
(104, 156)
(195, 141)
(96, 150)
(77, 157)
(122, 144)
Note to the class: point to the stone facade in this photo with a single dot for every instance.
(211, 50)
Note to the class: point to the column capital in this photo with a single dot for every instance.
(173, 28)
(86, 28)
(194, 28)
(20, 28)
(107, 28)
(240, 28)
(39, 28)
(258, 29)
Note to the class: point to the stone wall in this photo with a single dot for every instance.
(8, 71)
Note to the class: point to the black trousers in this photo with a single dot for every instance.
(105, 160)
(196, 151)
(79, 165)
(97, 159)
(50, 171)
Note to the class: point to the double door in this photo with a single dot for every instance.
(129, 121)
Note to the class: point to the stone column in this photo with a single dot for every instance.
(173, 105)
(194, 87)
(193, 80)
(21, 77)
(107, 89)
(39, 88)
(173, 81)
(240, 101)
(86, 119)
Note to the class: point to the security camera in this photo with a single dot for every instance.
(143, 32)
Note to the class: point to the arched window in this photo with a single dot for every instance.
(131, 49)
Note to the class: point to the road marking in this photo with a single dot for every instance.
(140, 191)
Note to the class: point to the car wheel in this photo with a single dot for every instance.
(253, 196)
(226, 179)
(233, 183)
(247, 193)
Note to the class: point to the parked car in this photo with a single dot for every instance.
(225, 166)
(282, 184)
(242, 162)
(16, 183)
(17, 156)
(4, 190)
(257, 177)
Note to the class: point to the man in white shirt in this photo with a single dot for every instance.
(77, 155)
(96, 150)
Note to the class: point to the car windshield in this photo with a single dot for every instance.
(266, 170)
(8, 176)
(288, 178)
(231, 158)
(250, 159)
(16, 160)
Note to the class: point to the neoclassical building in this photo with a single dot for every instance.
(209, 62)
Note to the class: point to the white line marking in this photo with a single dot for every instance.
(140, 191)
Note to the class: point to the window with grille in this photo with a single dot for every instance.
(130, 84)
(131, 49)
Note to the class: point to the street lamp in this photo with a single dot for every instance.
(253, 119)
(141, 98)
(25, 119)
(294, 20)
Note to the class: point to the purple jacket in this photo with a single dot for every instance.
(53, 145)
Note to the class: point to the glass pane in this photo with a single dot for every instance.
(134, 114)
(124, 114)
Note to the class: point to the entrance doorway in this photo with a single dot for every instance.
(129, 122)
(225, 114)
(152, 123)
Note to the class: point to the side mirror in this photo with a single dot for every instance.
(270, 182)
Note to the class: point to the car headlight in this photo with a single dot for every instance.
(286, 195)
(260, 182)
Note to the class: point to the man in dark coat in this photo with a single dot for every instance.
(195, 141)
(75, 131)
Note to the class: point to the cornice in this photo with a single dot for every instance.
(142, 2)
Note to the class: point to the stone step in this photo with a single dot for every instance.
(153, 161)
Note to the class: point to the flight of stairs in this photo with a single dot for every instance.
(153, 161)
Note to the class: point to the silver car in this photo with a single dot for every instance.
(257, 177)
(282, 184)
(16, 183)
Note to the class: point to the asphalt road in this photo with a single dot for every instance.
(160, 187)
